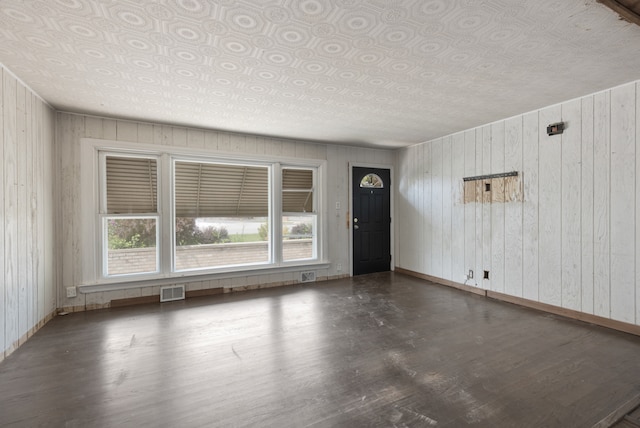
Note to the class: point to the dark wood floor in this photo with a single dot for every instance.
(380, 350)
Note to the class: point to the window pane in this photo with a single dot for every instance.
(297, 202)
(210, 242)
(217, 190)
(131, 246)
(372, 180)
(298, 237)
(297, 190)
(131, 185)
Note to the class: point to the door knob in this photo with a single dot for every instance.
(355, 219)
(355, 226)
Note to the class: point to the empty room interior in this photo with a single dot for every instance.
(320, 213)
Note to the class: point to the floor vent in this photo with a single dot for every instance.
(307, 276)
(174, 292)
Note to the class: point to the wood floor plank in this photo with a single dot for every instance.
(379, 350)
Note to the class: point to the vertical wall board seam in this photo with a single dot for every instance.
(635, 186)
(561, 211)
(463, 207)
(522, 178)
(581, 201)
(593, 197)
(538, 207)
(504, 211)
(609, 197)
(2, 282)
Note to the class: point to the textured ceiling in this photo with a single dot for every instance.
(372, 72)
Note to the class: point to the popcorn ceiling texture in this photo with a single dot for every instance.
(378, 72)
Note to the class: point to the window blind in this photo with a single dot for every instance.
(218, 190)
(132, 185)
(297, 190)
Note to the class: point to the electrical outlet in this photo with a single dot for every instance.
(72, 292)
(470, 274)
(337, 205)
(339, 267)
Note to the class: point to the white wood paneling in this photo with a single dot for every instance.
(447, 207)
(419, 226)
(601, 204)
(426, 202)
(486, 208)
(417, 183)
(586, 205)
(39, 211)
(12, 308)
(162, 135)
(637, 197)
(3, 285)
(470, 208)
(21, 188)
(570, 193)
(550, 208)
(179, 138)
(574, 240)
(51, 253)
(409, 251)
(458, 208)
(145, 133)
(402, 205)
(479, 264)
(497, 210)
(70, 129)
(530, 217)
(126, 131)
(109, 129)
(436, 208)
(25, 213)
(623, 152)
(195, 139)
(513, 211)
(31, 231)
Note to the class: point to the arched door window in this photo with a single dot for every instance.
(372, 181)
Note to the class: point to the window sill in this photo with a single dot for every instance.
(114, 284)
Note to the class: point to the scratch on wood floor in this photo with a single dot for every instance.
(235, 353)
(419, 416)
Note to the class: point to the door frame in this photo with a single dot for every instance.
(391, 210)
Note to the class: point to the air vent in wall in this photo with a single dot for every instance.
(174, 292)
(307, 276)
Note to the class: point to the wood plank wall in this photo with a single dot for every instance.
(27, 287)
(72, 127)
(573, 243)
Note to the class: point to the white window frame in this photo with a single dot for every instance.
(313, 214)
(91, 215)
(105, 243)
(270, 216)
(104, 216)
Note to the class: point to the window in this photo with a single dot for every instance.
(129, 215)
(372, 180)
(298, 214)
(164, 214)
(221, 215)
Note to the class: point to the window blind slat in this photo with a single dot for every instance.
(132, 185)
(214, 190)
(297, 190)
(297, 179)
